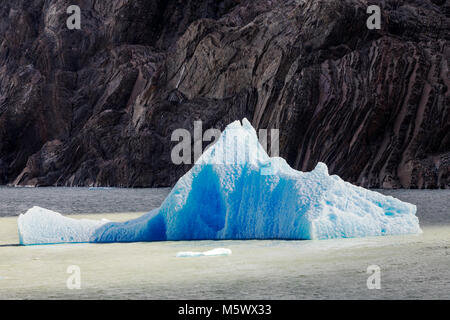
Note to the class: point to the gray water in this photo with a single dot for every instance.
(14, 201)
(412, 266)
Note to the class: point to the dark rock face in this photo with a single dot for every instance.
(97, 106)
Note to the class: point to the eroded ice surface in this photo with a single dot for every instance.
(40, 225)
(236, 191)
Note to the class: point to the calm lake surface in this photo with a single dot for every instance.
(14, 201)
(412, 267)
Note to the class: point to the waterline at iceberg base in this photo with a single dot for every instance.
(236, 191)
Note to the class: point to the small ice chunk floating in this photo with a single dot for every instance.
(236, 191)
(209, 253)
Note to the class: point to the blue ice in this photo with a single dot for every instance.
(236, 191)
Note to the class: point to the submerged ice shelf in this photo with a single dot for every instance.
(236, 191)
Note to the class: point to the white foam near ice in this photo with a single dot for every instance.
(236, 191)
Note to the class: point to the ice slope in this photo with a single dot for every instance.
(40, 225)
(236, 191)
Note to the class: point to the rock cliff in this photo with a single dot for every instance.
(97, 106)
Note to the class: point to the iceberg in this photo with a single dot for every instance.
(236, 191)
